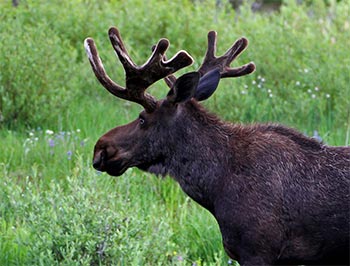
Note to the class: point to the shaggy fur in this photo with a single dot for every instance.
(279, 197)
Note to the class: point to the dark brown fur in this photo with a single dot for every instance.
(279, 197)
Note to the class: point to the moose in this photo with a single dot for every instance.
(279, 197)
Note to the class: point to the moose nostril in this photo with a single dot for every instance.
(96, 163)
(98, 160)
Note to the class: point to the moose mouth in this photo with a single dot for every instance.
(115, 168)
(119, 166)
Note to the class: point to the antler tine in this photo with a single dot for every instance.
(170, 79)
(223, 62)
(100, 73)
(181, 58)
(119, 47)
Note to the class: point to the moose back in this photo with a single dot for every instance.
(278, 196)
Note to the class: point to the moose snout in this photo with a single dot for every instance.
(98, 160)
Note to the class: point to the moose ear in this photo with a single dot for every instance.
(184, 88)
(207, 85)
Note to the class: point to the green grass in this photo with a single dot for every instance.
(86, 217)
(55, 209)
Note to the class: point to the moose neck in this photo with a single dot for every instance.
(194, 157)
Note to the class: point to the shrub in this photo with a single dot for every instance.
(44, 67)
(34, 75)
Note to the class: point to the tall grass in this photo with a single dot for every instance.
(54, 208)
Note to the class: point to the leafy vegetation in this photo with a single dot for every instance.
(54, 208)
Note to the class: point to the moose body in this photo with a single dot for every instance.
(278, 196)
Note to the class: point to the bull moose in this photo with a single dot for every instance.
(278, 196)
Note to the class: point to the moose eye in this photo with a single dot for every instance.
(141, 120)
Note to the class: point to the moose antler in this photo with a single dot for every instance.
(137, 78)
(223, 62)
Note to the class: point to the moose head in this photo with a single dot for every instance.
(149, 141)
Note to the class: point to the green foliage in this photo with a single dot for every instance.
(54, 209)
(34, 77)
(92, 219)
(302, 69)
(299, 53)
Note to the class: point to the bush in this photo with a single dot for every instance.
(44, 69)
(36, 72)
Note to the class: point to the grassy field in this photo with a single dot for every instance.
(55, 209)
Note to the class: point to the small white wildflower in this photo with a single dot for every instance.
(297, 83)
(49, 132)
(262, 79)
(31, 134)
(328, 96)
(270, 95)
(36, 139)
(245, 86)
(306, 70)
(313, 96)
(309, 91)
(78, 130)
(317, 89)
(259, 86)
(253, 82)
(269, 91)
(259, 77)
(243, 92)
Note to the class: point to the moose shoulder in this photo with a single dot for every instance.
(279, 197)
